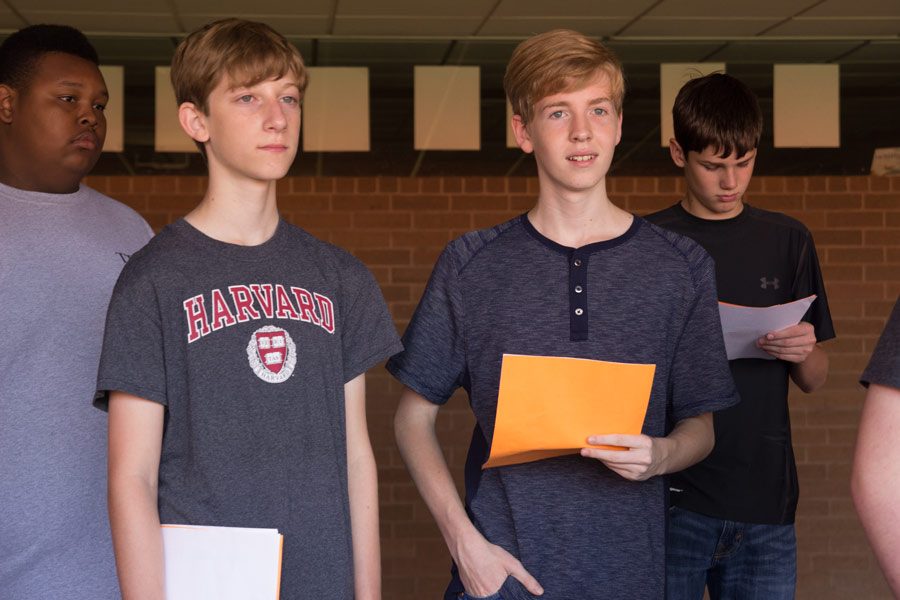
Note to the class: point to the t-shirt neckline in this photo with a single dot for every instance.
(636, 222)
(272, 247)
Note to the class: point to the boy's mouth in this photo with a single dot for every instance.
(580, 158)
(274, 148)
(87, 140)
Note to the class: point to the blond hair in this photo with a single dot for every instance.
(557, 61)
(246, 51)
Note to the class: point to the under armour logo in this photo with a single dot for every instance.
(125, 257)
(765, 283)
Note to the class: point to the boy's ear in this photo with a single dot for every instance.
(521, 133)
(7, 103)
(193, 121)
(678, 156)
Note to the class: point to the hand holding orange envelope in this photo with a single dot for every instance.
(549, 405)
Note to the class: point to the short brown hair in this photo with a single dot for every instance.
(246, 51)
(558, 61)
(717, 111)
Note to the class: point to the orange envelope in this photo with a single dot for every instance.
(549, 405)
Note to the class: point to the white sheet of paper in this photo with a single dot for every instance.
(743, 325)
(221, 563)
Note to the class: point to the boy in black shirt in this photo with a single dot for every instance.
(731, 524)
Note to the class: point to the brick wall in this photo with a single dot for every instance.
(398, 226)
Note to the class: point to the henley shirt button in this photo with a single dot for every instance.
(577, 262)
(579, 312)
(578, 289)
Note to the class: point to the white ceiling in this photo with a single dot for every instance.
(485, 19)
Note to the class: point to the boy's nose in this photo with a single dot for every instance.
(728, 180)
(275, 118)
(580, 130)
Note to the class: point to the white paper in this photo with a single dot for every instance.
(743, 325)
(221, 563)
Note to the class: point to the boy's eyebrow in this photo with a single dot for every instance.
(566, 104)
(79, 85)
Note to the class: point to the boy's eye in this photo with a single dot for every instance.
(600, 111)
(67, 98)
(246, 98)
(556, 114)
(100, 107)
(291, 100)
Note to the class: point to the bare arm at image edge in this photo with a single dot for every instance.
(135, 442)
(875, 481)
(362, 484)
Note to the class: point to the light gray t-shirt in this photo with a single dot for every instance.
(60, 255)
(249, 348)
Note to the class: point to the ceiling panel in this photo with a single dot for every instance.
(856, 8)
(876, 52)
(242, 7)
(780, 9)
(585, 8)
(839, 27)
(431, 10)
(151, 6)
(657, 52)
(113, 22)
(698, 27)
(350, 52)
(524, 27)
(9, 20)
(782, 51)
(406, 26)
(286, 25)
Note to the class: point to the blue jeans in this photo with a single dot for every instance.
(736, 561)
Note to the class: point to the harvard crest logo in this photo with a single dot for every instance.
(272, 354)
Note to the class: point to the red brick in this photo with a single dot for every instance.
(795, 185)
(773, 184)
(881, 201)
(883, 273)
(305, 202)
(842, 272)
(645, 185)
(622, 185)
(858, 184)
(421, 202)
(879, 309)
(323, 184)
(301, 185)
(451, 185)
(522, 202)
(483, 220)
(479, 202)
(473, 185)
(647, 203)
(879, 184)
(884, 237)
(816, 184)
(387, 184)
(892, 219)
(840, 218)
(495, 185)
(344, 185)
(838, 237)
(837, 184)
(408, 185)
(324, 220)
(779, 202)
(355, 202)
(382, 220)
(833, 201)
(516, 185)
(431, 185)
(442, 220)
(854, 255)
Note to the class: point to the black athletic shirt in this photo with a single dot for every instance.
(762, 258)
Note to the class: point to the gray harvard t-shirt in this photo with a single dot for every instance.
(60, 255)
(648, 296)
(249, 348)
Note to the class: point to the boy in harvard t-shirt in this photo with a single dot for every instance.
(236, 347)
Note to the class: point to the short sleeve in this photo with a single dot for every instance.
(433, 362)
(132, 359)
(884, 366)
(700, 380)
(809, 281)
(368, 335)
